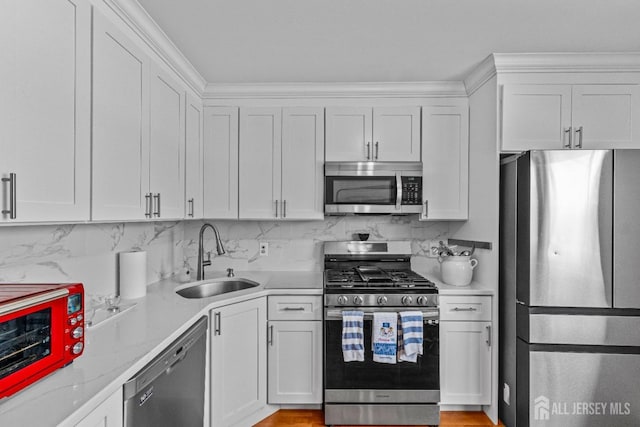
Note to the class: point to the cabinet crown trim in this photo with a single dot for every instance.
(134, 15)
(334, 90)
(557, 62)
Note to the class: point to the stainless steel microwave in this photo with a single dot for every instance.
(372, 188)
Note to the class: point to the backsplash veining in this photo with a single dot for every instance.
(297, 245)
(87, 253)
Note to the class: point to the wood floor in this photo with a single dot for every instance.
(311, 418)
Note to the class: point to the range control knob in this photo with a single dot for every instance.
(342, 300)
(382, 300)
(77, 332)
(407, 300)
(77, 348)
(357, 300)
(422, 300)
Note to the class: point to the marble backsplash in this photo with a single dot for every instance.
(87, 253)
(297, 245)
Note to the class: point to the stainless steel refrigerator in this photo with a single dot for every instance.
(570, 289)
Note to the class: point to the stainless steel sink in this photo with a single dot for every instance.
(216, 287)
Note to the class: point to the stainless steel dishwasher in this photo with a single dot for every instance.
(169, 391)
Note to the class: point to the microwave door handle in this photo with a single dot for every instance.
(398, 192)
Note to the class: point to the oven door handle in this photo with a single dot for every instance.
(368, 313)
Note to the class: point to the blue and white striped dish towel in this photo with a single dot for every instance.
(385, 337)
(410, 336)
(352, 336)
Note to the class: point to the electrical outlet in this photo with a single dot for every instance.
(264, 249)
(432, 248)
(506, 394)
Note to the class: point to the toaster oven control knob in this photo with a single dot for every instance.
(422, 300)
(407, 300)
(77, 332)
(342, 300)
(73, 321)
(382, 300)
(77, 348)
(357, 300)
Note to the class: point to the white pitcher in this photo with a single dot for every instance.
(457, 270)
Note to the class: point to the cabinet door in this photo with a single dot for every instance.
(349, 134)
(193, 158)
(166, 144)
(465, 363)
(238, 361)
(295, 362)
(302, 163)
(535, 117)
(120, 125)
(108, 414)
(445, 160)
(45, 95)
(605, 115)
(220, 167)
(396, 134)
(260, 162)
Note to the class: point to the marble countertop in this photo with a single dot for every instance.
(474, 288)
(118, 348)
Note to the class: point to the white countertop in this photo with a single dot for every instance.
(474, 288)
(119, 347)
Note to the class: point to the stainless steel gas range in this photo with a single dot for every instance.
(377, 277)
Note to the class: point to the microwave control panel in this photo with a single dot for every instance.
(411, 190)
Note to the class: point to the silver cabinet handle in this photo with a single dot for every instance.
(376, 156)
(13, 196)
(276, 209)
(464, 309)
(217, 324)
(284, 209)
(147, 205)
(270, 336)
(191, 210)
(579, 132)
(156, 202)
(488, 336)
(567, 131)
(426, 209)
(293, 309)
(368, 150)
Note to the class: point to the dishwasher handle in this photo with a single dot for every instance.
(166, 361)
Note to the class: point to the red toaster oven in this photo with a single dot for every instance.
(41, 330)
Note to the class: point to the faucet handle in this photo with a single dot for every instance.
(207, 261)
(230, 272)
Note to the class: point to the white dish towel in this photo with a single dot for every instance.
(385, 337)
(410, 336)
(352, 336)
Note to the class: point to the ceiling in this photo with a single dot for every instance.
(273, 41)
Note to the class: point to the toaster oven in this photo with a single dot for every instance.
(41, 330)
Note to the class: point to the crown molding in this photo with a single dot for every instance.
(480, 75)
(134, 15)
(334, 90)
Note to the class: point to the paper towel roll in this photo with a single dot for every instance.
(133, 274)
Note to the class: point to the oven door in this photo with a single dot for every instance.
(372, 382)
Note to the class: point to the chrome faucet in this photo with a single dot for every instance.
(202, 263)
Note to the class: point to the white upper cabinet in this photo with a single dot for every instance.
(193, 158)
(445, 161)
(396, 134)
(120, 125)
(556, 116)
(281, 163)
(45, 94)
(220, 164)
(373, 134)
(166, 145)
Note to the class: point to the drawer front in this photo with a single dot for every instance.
(292, 307)
(465, 307)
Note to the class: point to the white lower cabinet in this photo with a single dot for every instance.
(465, 350)
(238, 362)
(108, 414)
(295, 349)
